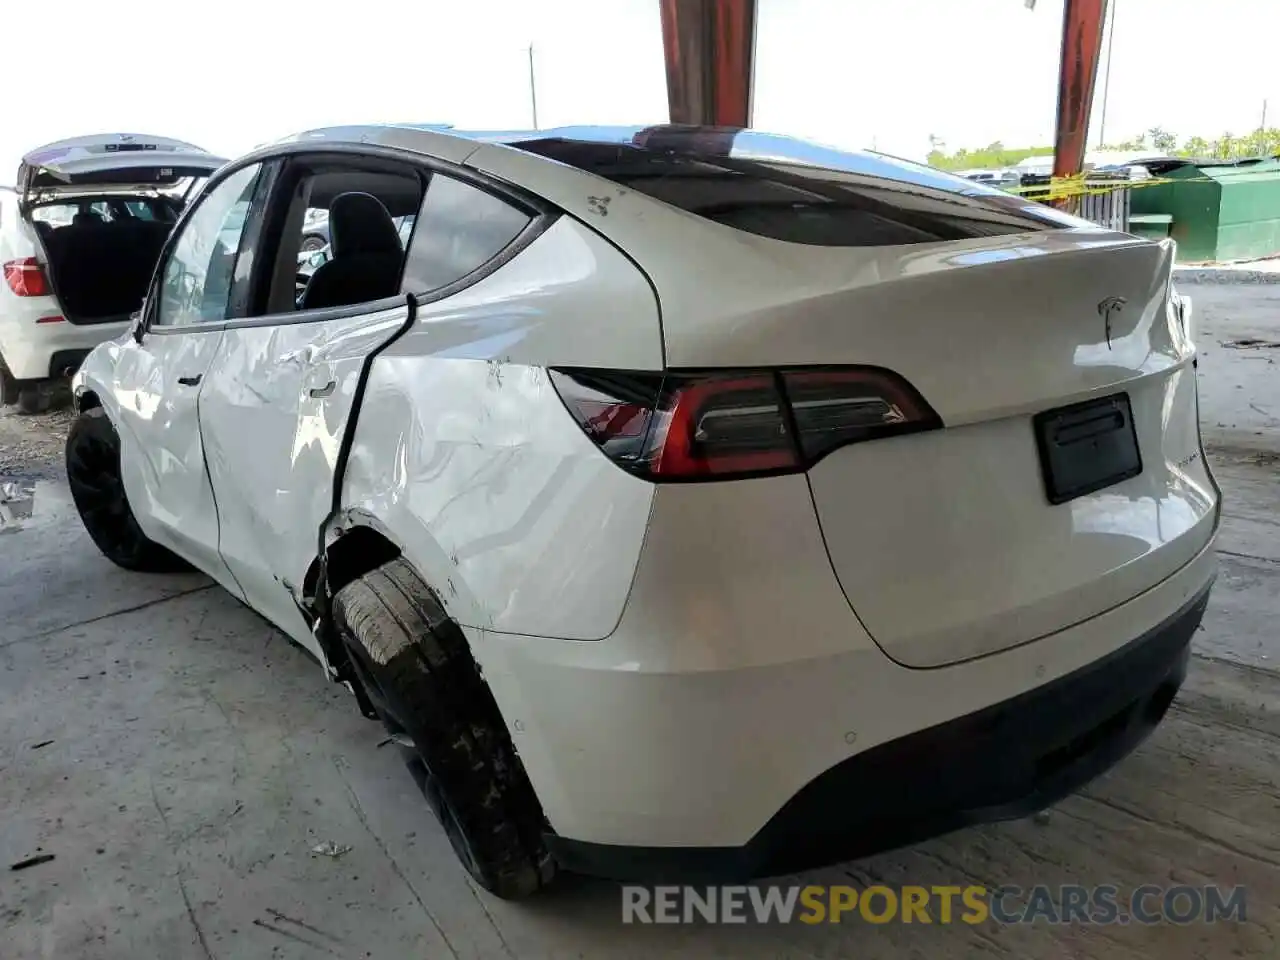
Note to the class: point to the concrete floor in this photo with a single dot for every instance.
(1238, 333)
(180, 761)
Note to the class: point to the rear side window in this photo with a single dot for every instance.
(459, 229)
(792, 190)
(56, 215)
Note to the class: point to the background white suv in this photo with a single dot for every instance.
(79, 238)
(686, 502)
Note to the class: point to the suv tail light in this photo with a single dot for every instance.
(721, 424)
(26, 278)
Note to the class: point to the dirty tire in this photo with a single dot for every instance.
(8, 386)
(32, 399)
(93, 474)
(312, 243)
(422, 679)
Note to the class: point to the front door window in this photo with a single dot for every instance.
(196, 282)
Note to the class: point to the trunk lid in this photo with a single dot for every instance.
(947, 543)
(112, 160)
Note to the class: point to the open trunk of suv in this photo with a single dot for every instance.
(99, 268)
(102, 208)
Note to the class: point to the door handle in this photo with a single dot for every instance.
(191, 381)
(319, 393)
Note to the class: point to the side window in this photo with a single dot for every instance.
(196, 281)
(55, 215)
(340, 243)
(460, 229)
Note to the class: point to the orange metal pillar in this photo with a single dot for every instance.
(1082, 23)
(709, 48)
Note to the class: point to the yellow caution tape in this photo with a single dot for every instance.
(1079, 185)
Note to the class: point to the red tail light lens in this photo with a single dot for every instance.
(616, 410)
(835, 407)
(26, 278)
(717, 425)
(721, 424)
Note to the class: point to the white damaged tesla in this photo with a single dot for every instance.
(689, 503)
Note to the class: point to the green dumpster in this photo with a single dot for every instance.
(1220, 212)
(1150, 226)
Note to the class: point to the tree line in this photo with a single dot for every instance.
(1259, 143)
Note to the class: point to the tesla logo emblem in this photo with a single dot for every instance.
(1109, 308)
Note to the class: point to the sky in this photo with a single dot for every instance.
(883, 74)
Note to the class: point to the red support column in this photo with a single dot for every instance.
(1082, 23)
(709, 48)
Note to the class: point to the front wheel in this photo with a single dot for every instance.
(416, 666)
(93, 473)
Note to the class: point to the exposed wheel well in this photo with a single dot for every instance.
(358, 551)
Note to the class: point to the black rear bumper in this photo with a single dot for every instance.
(1003, 762)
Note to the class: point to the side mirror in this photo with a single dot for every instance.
(137, 326)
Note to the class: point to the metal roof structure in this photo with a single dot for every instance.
(709, 50)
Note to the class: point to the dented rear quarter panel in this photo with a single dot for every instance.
(464, 453)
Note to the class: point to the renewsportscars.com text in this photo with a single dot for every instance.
(1064, 904)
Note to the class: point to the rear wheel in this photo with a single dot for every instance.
(93, 474)
(416, 666)
(31, 399)
(8, 385)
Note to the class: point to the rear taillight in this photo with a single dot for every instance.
(26, 278)
(721, 424)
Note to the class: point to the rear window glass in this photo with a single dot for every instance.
(800, 192)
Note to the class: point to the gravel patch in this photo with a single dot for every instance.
(31, 446)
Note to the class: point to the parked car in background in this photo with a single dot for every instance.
(687, 503)
(79, 237)
(315, 230)
(1003, 179)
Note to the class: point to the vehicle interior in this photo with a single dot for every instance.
(367, 213)
(102, 250)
